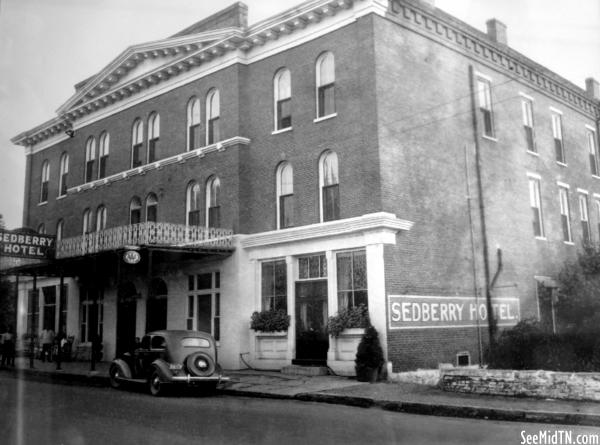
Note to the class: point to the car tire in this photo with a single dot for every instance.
(115, 373)
(192, 364)
(157, 387)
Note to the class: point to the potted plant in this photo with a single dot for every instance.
(369, 357)
(270, 321)
(347, 318)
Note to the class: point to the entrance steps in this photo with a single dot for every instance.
(304, 370)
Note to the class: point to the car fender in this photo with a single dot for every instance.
(124, 367)
(163, 370)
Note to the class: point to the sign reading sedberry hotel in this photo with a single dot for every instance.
(421, 312)
(26, 244)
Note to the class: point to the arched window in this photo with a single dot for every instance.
(137, 142)
(60, 229)
(45, 179)
(90, 158)
(193, 123)
(151, 207)
(193, 204)
(213, 209)
(103, 154)
(213, 112)
(64, 173)
(153, 136)
(330, 186)
(325, 85)
(135, 211)
(87, 221)
(285, 195)
(41, 228)
(282, 86)
(100, 218)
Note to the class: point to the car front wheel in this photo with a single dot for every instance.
(157, 388)
(114, 373)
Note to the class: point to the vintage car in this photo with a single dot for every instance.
(169, 357)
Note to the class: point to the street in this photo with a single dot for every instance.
(44, 413)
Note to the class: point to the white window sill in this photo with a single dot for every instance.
(61, 197)
(541, 238)
(489, 138)
(569, 243)
(42, 203)
(595, 176)
(533, 153)
(562, 164)
(324, 118)
(283, 130)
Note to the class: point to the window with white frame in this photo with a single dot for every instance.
(352, 279)
(282, 91)
(45, 180)
(325, 71)
(90, 158)
(527, 108)
(135, 211)
(565, 213)
(597, 206)
(274, 285)
(584, 218)
(213, 113)
(213, 202)
(535, 202)
(329, 187)
(91, 316)
(484, 95)
(60, 229)
(193, 204)
(63, 175)
(104, 148)
(101, 218)
(559, 148)
(285, 195)
(87, 221)
(193, 123)
(41, 228)
(204, 303)
(593, 151)
(312, 267)
(137, 143)
(153, 137)
(151, 208)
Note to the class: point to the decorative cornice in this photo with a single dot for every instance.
(343, 227)
(177, 159)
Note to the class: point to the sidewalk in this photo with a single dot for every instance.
(401, 397)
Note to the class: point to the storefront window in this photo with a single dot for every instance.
(204, 303)
(352, 279)
(274, 285)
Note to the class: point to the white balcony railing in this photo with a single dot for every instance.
(145, 234)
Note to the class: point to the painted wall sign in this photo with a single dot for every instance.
(28, 244)
(131, 257)
(422, 312)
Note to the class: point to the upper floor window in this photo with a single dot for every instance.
(41, 229)
(329, 186)
(559, 147)
(103, 154)
(527, 108)
(535, 202)
(137, 143)
(352, 279)
(153, 136)
(193, 123)
(213, 112)
(87, 221)
(325, 85)
(285, 195)
(45, 179)
(60, 229)
(593, 151)
(282, 84)
(213, 207)
(565, 213)
(90, 158)
(151, 208)
(64, 173)
(484, 95)
(193, 205)
(101, 218)
(135, 211)
(585, 221)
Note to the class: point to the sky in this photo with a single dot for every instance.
(47, 46)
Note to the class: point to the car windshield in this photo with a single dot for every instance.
(195, 342)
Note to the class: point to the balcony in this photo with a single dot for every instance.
(156, 234)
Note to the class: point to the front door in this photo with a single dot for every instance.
(126, 315)
(312, 341)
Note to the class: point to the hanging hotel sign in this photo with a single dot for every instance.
(422, 312)
(131, 257)
(26, 244)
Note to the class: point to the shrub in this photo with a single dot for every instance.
(270, 321)
(354, 317)
(369, 355)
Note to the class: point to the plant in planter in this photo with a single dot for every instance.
(270, 321)
(369, 357)
(354, 317)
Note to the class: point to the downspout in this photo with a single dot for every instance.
(484, 240)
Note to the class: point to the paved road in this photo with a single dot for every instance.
(45, 413)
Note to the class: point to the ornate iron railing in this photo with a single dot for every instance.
(145, 234)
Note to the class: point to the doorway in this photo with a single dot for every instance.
(312, 341)
(126, 317)
(156, 306)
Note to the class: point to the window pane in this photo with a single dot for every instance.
(204, 281)
(344, 271)
(303, 267)
(331, 209)
(360, 270)
(280, 278)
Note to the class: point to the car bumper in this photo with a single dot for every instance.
(195, 379)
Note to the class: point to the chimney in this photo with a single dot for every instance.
(497, 31)
(592, 87)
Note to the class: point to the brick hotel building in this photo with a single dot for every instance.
(338, 153)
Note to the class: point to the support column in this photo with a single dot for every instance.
(291, 304)
(332, 300)
(377, 296)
